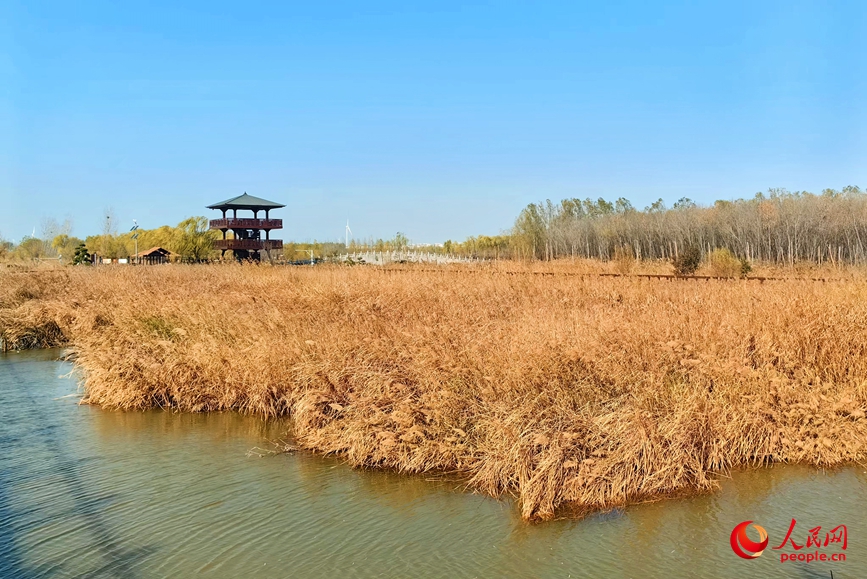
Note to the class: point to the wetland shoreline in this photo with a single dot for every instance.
(573, 394)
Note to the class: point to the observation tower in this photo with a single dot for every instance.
(247, 240)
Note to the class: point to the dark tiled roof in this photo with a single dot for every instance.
(154, 251)
(246, 202)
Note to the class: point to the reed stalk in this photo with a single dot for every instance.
(573, 393)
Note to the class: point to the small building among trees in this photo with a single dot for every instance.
(153, 256)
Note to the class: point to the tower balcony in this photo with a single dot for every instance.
(246, 223)
(248, 244)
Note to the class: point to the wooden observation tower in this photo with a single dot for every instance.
(248, 239)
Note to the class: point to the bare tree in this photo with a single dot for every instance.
(49, 229)
(780, 226)
(108, 245)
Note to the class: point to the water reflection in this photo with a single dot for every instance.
(61, 501)
(85, 492)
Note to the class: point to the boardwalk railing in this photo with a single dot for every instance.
(658, 276)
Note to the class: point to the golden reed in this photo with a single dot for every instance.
(573, 393)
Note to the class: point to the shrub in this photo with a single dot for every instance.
(746, 268)
(624, 259)
(82, 256)
(687, 261)
(723, 263)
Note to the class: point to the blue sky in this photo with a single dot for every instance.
(440, 120)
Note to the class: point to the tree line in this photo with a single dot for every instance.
(779, 226)
(190, 240)
(482, 246)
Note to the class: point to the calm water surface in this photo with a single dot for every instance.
(90, 493)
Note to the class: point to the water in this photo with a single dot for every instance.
(90, 493)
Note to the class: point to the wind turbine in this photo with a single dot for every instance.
(348, 233)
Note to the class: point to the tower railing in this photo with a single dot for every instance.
(248, 244)
(246, 223)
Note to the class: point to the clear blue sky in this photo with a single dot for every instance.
(441, 121)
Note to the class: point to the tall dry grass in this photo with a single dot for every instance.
(573, 393)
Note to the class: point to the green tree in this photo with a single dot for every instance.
(65, 246)
(399, 242)
(193, 239)
(81, 255)
(623, 205)
(684, 203)
(30, 248)
(687, 261)
(109, 245)
(723, 263)
(657, 206)
(604, 207)
(6, 248)
(529, 232)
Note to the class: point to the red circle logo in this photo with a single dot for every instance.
(745, 547)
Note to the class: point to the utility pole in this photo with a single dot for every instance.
(135, 237)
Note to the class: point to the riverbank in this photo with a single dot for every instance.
(79, 498)
(574, 394)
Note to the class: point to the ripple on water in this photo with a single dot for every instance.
(85, 492)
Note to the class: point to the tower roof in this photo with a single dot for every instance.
(246, 202)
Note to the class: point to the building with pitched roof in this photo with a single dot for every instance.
(154, 255)
(250, 236)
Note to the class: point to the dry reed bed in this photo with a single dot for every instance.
(572, 393)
